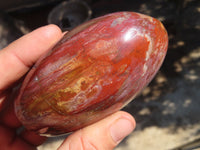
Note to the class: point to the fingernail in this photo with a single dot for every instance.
(120, 129)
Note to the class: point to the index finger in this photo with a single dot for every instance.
(17, 58)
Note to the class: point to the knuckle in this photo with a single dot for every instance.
(80, 141)
(87, 144)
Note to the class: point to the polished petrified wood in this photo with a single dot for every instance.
(92, 72)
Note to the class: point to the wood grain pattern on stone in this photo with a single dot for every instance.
(95, 70)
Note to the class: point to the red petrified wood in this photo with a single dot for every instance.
(92, 72)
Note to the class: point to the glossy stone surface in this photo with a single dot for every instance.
(95, 70)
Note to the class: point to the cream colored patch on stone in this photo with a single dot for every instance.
(144, 69)
(150, 49)
(117, 21)
(146, 17)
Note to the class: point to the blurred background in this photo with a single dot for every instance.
(167, 112)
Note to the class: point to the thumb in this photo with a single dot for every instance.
(103, 135)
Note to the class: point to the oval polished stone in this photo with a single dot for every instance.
(95, 70)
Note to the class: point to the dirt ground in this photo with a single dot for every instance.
(167, 111)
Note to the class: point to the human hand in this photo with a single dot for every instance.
(15, 61)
